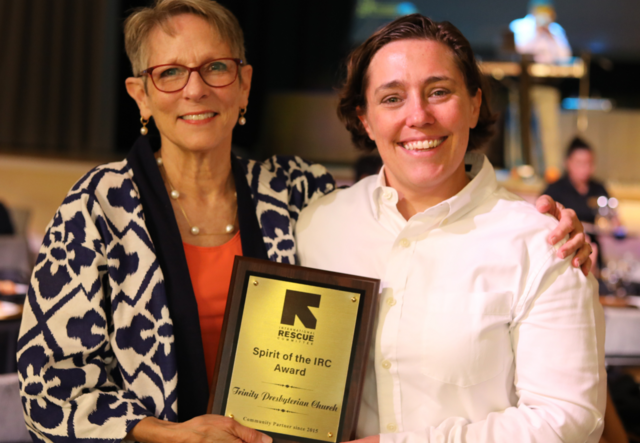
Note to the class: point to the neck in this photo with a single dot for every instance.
(415, 200)
(203, 175)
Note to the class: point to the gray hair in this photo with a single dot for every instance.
(142, 21)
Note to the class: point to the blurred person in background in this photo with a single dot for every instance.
(578, 190)
(539, 35)
(124, 313)
(6, 226)
(7, 287)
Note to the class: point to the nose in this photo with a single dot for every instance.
(196, 88)
(418, 113)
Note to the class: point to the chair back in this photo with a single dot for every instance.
(15, 263)
(20, 220)
(11, 419)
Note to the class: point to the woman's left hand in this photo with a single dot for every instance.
(371, 439)
(569, 225)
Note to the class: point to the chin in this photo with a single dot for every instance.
(429, 173)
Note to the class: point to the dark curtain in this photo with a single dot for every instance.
(57, 76)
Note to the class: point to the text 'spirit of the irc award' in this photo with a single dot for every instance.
(292, 358)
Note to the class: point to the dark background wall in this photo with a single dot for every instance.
(606, 27)
(63, 62)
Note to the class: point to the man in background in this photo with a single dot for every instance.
(539, 35)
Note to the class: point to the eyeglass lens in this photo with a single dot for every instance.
(172, 78)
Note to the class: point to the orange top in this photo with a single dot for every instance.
(210, 270)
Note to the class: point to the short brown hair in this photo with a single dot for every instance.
(142, 21)
(577, 143)
(414, 26)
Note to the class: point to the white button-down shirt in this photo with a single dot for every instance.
(484, 335)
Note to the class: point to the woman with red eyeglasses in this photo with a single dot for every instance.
(122, 321)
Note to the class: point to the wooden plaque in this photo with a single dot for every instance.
(293, 351)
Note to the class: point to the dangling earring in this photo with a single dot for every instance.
(144, 130)
(242, 120)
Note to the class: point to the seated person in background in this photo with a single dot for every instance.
(577, 189)
(539, 35)
(6, 227)
(7, 287)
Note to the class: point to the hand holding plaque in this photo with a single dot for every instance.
(293, 350)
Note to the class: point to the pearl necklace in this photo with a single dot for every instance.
(175, 195)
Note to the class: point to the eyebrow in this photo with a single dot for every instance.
(397, 83)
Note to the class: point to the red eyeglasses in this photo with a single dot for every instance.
(216, 73)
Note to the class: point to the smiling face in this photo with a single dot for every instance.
(419, 113)
(199, 117)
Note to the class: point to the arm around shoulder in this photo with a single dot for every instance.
(306, 181)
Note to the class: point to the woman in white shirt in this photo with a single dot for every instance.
(484, 334)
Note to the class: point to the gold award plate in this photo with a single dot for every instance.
(293, 352)
(290, 377)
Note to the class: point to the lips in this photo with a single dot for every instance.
(200, 116)
(423, 145)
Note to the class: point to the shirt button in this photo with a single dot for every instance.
(387, 194)
(405, 243)
(392, 427)
(391, 301)
(386, 364)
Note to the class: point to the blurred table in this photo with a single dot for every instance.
(621, 271)
(621, 345)
(618, 248)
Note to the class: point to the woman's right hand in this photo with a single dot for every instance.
(206, 428)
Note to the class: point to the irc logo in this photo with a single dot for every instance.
(297, 304)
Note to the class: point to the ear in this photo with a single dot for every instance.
(136, 89)
(476, 103)
(245, 84)
(363, 119)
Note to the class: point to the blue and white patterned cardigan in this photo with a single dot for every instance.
(110, 320)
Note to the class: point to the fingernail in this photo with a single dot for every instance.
(552, 239)
(266, 439)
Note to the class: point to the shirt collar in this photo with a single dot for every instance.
(483, 183)
(381, 192)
